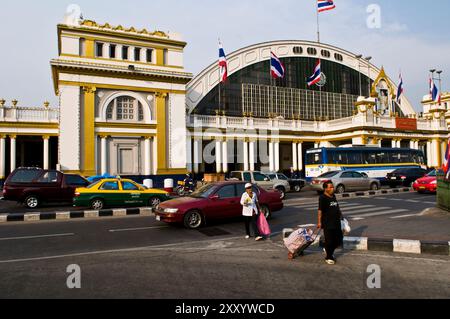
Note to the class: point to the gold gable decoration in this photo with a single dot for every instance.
(382, 77)
(107, 26)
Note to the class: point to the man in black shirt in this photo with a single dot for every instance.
(330, 217)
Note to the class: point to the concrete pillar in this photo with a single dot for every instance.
(429, 154)
(218, 156)
(2, 157)
(13, 152)
(188, 152)
(394, 143)
(46, 152)
(246, 162)
(252, 156)
(197, 148)
(294, 156)
(412, 144)
(154, 143)
(225, 156)
(300, 156)
(103, 155)
(437, 149)
(271, 157)
(147, 156)
(399, 143)
(277, 156)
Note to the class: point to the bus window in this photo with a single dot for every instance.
(370, 158)
(382, 158)
(340, 157)
(314, 158)
(354, 158)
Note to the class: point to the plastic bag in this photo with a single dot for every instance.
(346, 229)
(263, 225)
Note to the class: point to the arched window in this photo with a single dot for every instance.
(125, 109)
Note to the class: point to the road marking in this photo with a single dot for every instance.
(35, 237)
(405, 216)
(135, 229)
(413, 201)
(357, 219)
(347, 206)
(376, 209)
(383, 213)
(359, 207)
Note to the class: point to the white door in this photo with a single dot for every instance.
(126, 161)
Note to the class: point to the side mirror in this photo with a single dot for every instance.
(214, 197)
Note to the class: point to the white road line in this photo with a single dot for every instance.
(357, 219)
(135, 229)
(405, 216)
(347, 206)
(382, 213)
(412, 201)
(368, 210)
(35, 237)
(346, 209)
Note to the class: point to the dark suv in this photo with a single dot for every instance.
(34, 186)
(405, 176)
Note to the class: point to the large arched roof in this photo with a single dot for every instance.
(208, 79)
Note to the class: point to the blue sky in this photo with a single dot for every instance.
(413, 36)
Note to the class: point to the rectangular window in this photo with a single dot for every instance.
(124, 53)
(165, 56)
(149, 55)
(99, 50)
(112, 51)
(137, 54)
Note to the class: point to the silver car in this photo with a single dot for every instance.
(346, 181)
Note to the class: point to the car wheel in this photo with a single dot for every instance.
(180, 191)
(340, 189)
(374, 187)
(193, 219)
(297, 188)
(266, 211)
(282, 192)
(97, 204)
(154, 202)
(32, 202)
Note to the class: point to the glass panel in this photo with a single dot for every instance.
(127, 186)
(227, 192)
(110, 186)
(25, 176)
(259, 177)
(49, 177)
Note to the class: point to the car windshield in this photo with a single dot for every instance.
(432, 174)
(204, 192)
(329, 174)
(94, 184)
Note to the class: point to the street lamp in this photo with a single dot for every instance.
(368, 68)
(440, 80)
(359, 72)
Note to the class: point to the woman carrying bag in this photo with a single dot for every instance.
(250, 211)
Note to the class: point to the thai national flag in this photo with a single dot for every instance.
(434, 91)
(223, 64)
(446, 165)
(400, 90)
(324, 5)
(276, 67)
(316, 77)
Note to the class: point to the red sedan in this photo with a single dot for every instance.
(427, 183)
(214, 201)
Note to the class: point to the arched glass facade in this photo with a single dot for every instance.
(252, 90)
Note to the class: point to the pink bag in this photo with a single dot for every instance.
(263, 225)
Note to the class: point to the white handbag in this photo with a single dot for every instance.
(346, 229)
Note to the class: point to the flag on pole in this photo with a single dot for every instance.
(446, 164)
(325, 5)
(400, 89)
(434, 91)
(223, 64)
(276, 67)
(316, 77)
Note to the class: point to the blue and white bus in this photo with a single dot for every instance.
(374, 161)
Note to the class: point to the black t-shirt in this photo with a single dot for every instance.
(331, 213)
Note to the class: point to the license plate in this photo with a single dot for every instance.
(393, 177)
(422, 187)
(158, 218)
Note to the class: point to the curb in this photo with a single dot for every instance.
(404, 246)
(375, 193)
(88, 214)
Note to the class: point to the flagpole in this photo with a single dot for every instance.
(220, 83)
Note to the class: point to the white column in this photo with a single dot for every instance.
(429, 154)
(189, 153)
(2, 157)
(225, 156)
(196, 155)
(46, 152)
(294, 156)
(13, 152)
(394, 143)
(252, 156)
(434, 150)
(218, 156)
(399, 143)
(154, 143)
(271, 157)
(300, 156)
(246, 162)
(147, 156)
(277, 156)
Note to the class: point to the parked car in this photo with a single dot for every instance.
(34, 186)
(345, 181)
(118, 192)
(220, 200)
(263, 180)
(295, 185)
(427, 183)
(405, 176)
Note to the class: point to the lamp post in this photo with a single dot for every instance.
(368, 69)
(440, 81)
(359, 72)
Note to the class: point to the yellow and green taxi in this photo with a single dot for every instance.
(117, 192)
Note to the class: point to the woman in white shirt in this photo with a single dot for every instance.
(250, 211)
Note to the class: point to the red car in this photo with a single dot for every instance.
(427, 183)
(214, 201)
